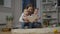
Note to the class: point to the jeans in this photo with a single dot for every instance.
(31, 25)
(26, 24)
(38, 25)
(35, 25)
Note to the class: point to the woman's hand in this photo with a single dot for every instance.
(25, 19)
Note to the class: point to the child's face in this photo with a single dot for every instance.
(36, 11)
(26, 12)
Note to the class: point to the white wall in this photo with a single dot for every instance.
(7, 3)
(3, 17)
(5, 11)
(17, 11)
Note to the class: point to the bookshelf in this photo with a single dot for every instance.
(50, 13)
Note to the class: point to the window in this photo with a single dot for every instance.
(7, 3)
(1, 2)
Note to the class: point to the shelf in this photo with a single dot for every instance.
(50, 18)
(51, 11)
(47, 3)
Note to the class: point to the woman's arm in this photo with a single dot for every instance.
(21, 18)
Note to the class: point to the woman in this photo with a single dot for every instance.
(25, 22)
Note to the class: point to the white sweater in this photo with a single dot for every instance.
(21, 18)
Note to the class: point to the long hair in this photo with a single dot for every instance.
(30, 5)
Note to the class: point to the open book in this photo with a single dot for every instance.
(32, 18)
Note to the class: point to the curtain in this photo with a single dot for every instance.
(25, 2)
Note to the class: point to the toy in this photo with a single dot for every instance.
(55, 31)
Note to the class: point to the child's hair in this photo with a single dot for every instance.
(26, 12)
(36, 10)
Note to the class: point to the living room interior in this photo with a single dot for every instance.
(11, 10)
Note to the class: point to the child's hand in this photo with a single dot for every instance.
(35, 20)
(25, 19)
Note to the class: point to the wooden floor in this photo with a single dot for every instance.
(17, 33)
(5, 32)
(36, 31)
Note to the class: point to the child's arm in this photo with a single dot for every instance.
(25, 15)
(37, 18)
(25, 19)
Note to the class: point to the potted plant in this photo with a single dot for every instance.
(9, 20)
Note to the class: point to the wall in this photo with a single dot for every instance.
(17, 11)
(7, 3)
(4, 12)
(5, 9)
(3, 17)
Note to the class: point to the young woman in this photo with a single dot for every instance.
(23, 19)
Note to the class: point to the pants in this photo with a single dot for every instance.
(31, 25)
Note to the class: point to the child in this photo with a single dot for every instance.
(36, 24)
(26, 22)
(36, 14)
(26, 12)
(25, 15)
(23, 19)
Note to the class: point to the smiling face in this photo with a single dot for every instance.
(30, 9)
(26, 12)
(36, 11)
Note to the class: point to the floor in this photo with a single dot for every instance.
(18, 33)
(5, 32)
(32, 31)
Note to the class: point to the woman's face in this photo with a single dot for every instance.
(30, 9)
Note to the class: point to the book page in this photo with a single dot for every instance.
(32, 18)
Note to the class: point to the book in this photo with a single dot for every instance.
(32, 18)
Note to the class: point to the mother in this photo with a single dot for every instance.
(30, 9)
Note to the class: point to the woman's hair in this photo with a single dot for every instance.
(30, 5)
